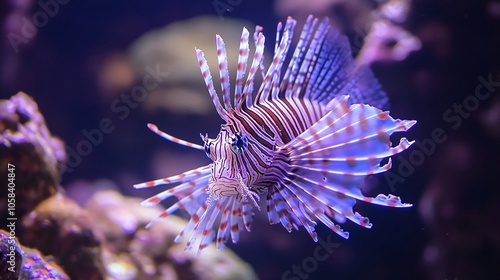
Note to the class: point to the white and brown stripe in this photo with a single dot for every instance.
(309, 148)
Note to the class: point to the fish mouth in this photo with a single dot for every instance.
(223, 187)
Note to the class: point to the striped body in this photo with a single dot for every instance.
(305, 141)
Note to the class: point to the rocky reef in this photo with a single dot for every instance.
(106, 239)
(20, 263)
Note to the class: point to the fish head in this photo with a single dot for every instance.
(227, 151)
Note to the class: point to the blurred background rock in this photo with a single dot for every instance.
(427, 54)
(29, 263)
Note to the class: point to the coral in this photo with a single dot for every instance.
(387, 42)
(59, 227)
(26, 142)
(27, 263)
(379, 32)
(51, 223)
(10, 258)
(108, 240)
(386, 39)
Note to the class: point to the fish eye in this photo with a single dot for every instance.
(239, 143)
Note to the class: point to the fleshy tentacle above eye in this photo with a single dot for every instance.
(171, 138)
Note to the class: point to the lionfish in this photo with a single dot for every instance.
(306, 141)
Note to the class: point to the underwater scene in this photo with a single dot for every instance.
(238, 139)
